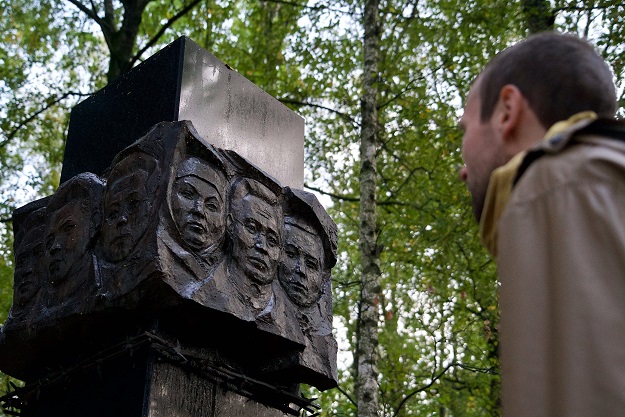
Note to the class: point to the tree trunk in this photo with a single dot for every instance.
(538, 15)
(121, 42)
(366, 350)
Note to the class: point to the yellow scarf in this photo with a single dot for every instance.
(501, 183)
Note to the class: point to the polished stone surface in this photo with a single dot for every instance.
(185, 82)
(176, 224)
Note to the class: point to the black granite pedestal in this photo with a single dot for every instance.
(185, 82)
(150, 376)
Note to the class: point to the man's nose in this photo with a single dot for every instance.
(260, 241)
(299, 266)
(122, 220)
(55, 248)
(463, 173)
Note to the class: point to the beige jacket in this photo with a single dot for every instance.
(561, 265)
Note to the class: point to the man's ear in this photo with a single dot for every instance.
(230, 224)
(509, 111)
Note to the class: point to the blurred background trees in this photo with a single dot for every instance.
(419, 302)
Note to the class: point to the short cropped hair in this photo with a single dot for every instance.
(559, 74)
(244, 187)
(86, 189)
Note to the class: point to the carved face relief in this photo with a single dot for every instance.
(301, 272)
(256, 242)
(67, 239)
(199, 212)
(126, 215)
(28, 258)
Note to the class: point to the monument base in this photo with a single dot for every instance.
(149, 376)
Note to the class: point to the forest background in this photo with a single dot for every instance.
(380, 84)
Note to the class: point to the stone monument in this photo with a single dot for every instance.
(179, 269)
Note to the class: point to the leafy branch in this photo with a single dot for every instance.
(345, 116)
(433, 380)
(305, 6)
(27, 120)
(342, 391)
(604, 6)
(121, 41)
(332, 195)
(91, 13)
(162, 30)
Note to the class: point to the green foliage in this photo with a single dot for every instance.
(438, 308)
(438, 313)
(6, 272)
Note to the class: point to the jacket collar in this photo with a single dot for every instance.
(503, 179)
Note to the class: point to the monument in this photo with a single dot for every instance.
(179, 269)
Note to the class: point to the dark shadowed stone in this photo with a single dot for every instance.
(175, 224)
(305, 292)
(178, 269)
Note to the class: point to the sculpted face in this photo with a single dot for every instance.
(126, 215)
(66, 240)
(199, 212)
(28, 258)
(256, 241)
(301, 271)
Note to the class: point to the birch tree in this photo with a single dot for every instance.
(381, 92)
(366, 354)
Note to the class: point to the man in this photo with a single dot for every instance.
(74, 216)
(29, 277)
(550, 199)
(242, 286)
(255, 232)
(128, 204)
(304, 278)
(301, 270)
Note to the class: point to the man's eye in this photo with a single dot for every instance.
(112, 215)
(272, 240)
(133, 205)
(67, 227)
(290, 253)
(211, 206)
(312, 263)
(111, 212)
(21, 260)
(250, 226)
(24, 288)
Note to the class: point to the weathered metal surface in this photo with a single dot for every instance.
(151, 375)
(178, 224)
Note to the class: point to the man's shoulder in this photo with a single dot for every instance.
(595, 152)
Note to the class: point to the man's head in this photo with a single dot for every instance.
(198, 204)
(559, 75)
(29, 254)
(522, 92)
(74, 215)
(128, 203)
(255, 230)
(302, 270)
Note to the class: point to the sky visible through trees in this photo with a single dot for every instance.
(435, 308)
